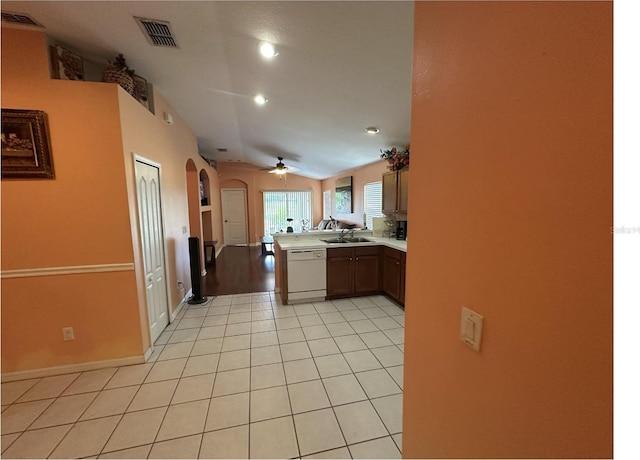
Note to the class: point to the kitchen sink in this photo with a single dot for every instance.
(345, 240)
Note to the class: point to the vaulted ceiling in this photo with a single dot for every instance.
(341, 67)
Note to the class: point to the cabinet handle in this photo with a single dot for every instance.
(357, 259)
(397, 263)
(350, 258)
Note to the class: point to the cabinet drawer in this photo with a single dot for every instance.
(367, 250)
(339, 252)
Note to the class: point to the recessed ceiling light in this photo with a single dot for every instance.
(372, 130)
(267, 50)
(260, 99)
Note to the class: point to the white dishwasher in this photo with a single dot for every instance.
(306, 275)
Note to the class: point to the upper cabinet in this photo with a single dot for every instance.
(395, 191)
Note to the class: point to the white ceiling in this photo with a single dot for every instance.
(342, 66)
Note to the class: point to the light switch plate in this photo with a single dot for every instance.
(67, 334)
(471, 328)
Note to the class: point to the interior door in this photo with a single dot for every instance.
(234, 216)
(150, 218)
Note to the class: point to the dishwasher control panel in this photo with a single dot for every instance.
(306, 254)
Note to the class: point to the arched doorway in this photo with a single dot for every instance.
(206, 215)
(193, 199)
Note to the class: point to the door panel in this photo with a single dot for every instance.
(234, 215)
(389, 192)
(367, 274)
(339, 275)
(150, 217)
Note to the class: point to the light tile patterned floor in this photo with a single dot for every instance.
(241, 376)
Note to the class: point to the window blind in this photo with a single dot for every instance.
(278, 206)
(372, 202)
(326, 204)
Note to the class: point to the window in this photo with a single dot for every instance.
(372, 202)
(279, 206)
(326, 204)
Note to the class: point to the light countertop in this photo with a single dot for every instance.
(315, 243)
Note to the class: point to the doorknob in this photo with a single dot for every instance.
(226, 220)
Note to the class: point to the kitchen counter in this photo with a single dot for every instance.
(345, 277)
(312, 241)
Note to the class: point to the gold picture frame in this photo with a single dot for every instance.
(25, 145)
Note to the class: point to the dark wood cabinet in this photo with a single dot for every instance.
(403, 191)
(354, 270)
(389, 192)
(403, 276)
(395, 192)
(366, 270)
(340, 271)
(393, 273)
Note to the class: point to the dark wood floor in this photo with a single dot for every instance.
(240, 269)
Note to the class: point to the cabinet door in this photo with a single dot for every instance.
(403, 276)
(367, 274)
(339, 275)
(391, 274)
(403, 190)
(389, 192)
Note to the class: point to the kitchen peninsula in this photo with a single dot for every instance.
(311, 269)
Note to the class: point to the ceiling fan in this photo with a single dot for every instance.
(280, 168)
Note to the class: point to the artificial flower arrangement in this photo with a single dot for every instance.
(396, 158)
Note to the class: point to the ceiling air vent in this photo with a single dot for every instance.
(222, 150)
(19, 18)
(157, 32)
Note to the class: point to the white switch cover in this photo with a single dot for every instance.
(471, 328)
(67, 334)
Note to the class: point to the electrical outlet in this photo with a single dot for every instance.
(67, 334)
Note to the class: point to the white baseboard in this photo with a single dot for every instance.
(71, 368)
(220, 250)
(184, 301)
(148, 353)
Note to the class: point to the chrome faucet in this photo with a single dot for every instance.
(350, 229)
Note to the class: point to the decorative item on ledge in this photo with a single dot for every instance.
(65, 64)
(397, 159)
(141, 91)
(119, 73)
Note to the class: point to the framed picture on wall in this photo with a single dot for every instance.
(65, 64)
(344, 203)
(25, 145)
(141, 92)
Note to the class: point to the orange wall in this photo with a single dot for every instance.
(87, 215)
(512, 132)
(146, 134)
(79, 218)
(370, 173)
(257, 180)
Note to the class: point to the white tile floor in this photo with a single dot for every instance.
(240, 376)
